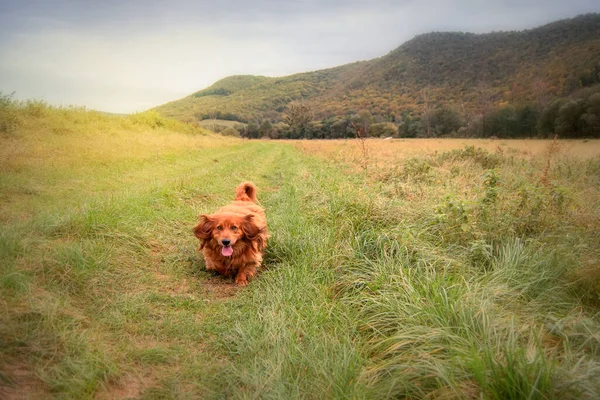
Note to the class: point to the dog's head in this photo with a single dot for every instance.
(225, 230)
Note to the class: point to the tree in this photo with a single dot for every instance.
(412, 127)
(339, 128)
(383, 129)
(298, 117)
(445, 121)
(484, 104)
(315, 130)
(547, 122)
(252, 131)
(468, 118)
(424, 100)
(568, 121)
(540, 92)
(502, 122)
(591, 118)
(265, 128)
(280, 131)
(362, 120)
(527, 117)
(366, 119)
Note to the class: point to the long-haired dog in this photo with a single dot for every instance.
(233, 239)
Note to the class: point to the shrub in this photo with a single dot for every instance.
(9, 118)
(476, 154)
(383, 129)
(230, 131)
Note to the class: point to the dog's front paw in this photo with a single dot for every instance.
(241, 279)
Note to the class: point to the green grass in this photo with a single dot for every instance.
(453, 275)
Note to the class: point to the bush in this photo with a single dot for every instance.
(149, 118)
(383, 129)
(230, 131)
(477, 154)
(9, 118)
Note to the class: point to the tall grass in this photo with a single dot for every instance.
(455, 283)
(375, 295)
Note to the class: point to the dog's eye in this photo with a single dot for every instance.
(233, 228)
(219, 228)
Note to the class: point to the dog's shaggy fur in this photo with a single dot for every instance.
(234, 238)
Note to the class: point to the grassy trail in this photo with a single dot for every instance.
(381, 289)
(102, 286)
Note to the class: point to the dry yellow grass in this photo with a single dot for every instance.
(382, 152)
(562, 165)
(64, 149)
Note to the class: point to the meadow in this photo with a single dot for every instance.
(415, 269)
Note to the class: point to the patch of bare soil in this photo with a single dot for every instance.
(173, 286)
(131, 386)
(126, 389)
(19, 381)
(219, 288)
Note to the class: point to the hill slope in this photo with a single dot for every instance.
(457, 69)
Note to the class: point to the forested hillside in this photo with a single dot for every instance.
(536, 82)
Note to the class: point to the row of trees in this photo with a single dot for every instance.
(574, 117)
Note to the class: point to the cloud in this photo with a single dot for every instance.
(169, 65)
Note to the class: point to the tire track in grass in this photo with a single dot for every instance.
(285, 336)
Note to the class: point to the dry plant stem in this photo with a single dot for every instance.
(553, 148)
(361, 141)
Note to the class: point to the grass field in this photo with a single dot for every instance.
(443, 272)
(384, 153)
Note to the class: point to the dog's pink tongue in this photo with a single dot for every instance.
(227, 251)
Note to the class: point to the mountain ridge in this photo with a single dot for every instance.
(430, 70)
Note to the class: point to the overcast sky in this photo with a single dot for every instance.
(124, 56)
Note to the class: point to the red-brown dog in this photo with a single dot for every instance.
(234, 238)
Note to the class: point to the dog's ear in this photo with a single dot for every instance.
(203, 231)
(253, 232)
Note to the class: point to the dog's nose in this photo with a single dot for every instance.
(226, 242)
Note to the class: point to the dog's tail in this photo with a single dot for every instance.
(246, 191)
